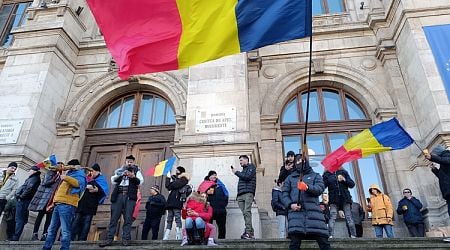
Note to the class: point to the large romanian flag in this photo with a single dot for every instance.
(381, 137)
(147, 36)
(161, 168)
(47, 162)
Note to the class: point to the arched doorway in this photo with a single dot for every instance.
(138, 123)
(335, 115)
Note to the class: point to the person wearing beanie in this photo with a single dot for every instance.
(156, 207)
(178, 186)
(64, 203)
(218, 198)
(126, 180)
(23, 197)
(288, 166)
(96, 192)
(441, 156)
(42, 198)
(8, 184)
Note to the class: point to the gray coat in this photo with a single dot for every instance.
(44, 191)
(8, 190)
(310, 219)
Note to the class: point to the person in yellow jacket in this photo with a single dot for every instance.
(382, 212)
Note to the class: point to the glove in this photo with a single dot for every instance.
(302, 186)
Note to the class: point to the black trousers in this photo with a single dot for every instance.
(151, 224)
(37, 222)
(416, 230)
(359, 230)
(2, 205)
(221, 220)
(10, 228)
(121, 207)
(296, 241)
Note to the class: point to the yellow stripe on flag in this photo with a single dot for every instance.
(160, 168)
(209, 30)
(366, 142)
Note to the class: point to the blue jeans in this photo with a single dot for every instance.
(387, 228)
(62, 216)
(21, 217)
(81, 226)
(199, 223)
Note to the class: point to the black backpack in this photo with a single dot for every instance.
(185, 192)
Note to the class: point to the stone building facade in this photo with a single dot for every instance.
(57, 79)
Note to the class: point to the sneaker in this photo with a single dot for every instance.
(353, 237)
(35, 237)
(184, 242)
(247, 236)
(446, 239)
(105, 243)
(211, 243)
(125, 243)
(44, 237)
(331, 237)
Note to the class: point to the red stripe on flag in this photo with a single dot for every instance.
(340, 156)
(150, 171)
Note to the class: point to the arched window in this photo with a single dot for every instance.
(150, 109)
(334, 116)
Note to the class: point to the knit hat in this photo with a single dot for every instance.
(131, 157)
(205, 185)
(12, 164)
(156, 188)
(35, 168)
(438, 150)
(96, 167)
(73, 162)
(181, 169)
(211, 172)
(290, 153)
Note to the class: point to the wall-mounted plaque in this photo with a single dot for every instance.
(9, 131)
(215, 120)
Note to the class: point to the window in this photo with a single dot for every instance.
(150, 110)
(12, 14)
(320, 7)
(334, 117)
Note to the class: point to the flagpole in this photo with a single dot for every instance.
(421, 149)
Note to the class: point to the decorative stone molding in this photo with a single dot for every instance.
(67, 129)
(384, 114)
(269, 126)
(386, 50)
(270, 72)
(185, 151)
(254, 61)
(368, 64)
(318, 65)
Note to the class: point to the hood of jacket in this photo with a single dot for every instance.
(196, 196)
(184, 175)
(375, 186)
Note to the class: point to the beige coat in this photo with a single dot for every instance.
(8, 190)
(381, 208)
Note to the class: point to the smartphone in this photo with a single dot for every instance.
(368, 200)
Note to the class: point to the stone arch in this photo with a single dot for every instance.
(100, 91)
(352, 80)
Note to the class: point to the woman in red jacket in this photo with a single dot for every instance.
(197, 213)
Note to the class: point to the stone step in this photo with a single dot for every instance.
(396, 243)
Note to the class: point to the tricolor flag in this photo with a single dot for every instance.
(161, 168)
(381, 137)
(147, 36)
(48, 162)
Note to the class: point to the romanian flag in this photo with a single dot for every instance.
(48, 162)
(382, 137)
(147, 36)
(161, 168)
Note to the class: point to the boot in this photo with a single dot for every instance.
(184, 241)
(105, 243)
(201, 234)
(179, 235)
(211, 242)
(35, 236)
(190, 234)
(166, 234)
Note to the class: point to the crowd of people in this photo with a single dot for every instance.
(69, 195)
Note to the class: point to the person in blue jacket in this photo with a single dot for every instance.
(410, 207)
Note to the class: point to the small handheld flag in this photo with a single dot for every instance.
(47, 162)
(161, 168)
(381, 137)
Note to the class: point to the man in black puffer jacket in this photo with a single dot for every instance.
(441, 156)
(279, 209)
(24, 196)
(305, 219)
(338, 184)
(246, 193)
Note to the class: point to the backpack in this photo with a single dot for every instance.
(185, 192)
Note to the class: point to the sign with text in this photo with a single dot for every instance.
(9, 131)
(217, 120)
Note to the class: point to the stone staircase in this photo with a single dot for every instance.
(396, 243)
